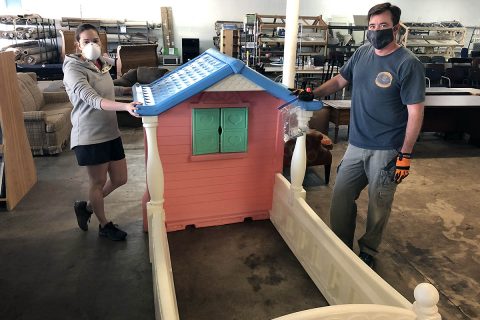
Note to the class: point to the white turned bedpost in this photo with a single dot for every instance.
(425, 305)
(299, 157)
(163, 286)
(155, 179)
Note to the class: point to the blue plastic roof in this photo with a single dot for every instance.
(197, 75)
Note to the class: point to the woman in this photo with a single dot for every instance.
(95, 136)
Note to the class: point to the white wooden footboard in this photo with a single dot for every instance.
(338, 273)
(163, 286)
(353, 312)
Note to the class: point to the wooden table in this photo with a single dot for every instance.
(448, 110)
(453, 110)
(339, 114)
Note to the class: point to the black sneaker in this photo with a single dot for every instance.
(111, 231)
(83, 214)
(368, 259)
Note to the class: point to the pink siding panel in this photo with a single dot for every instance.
(219, 191)
(177, 181)
(212, 173)
(235, 192)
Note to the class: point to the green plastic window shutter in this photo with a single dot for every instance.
(205, 133)
(234, 123)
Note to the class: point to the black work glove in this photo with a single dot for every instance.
(303, 95)
(295, 92)
(402, 166)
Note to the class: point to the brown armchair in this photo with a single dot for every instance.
(318, 148)
(46, 116)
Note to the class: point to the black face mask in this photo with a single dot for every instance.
(380, 38)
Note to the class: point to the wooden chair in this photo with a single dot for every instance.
(68, 42)
(134, 56)
(458, 76)
(318, 147)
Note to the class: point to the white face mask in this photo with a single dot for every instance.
(91, 51)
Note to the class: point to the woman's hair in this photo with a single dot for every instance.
(387, 6)
(83, 27)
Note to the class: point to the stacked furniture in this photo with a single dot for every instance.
(32, 38)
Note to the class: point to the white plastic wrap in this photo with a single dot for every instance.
(291, 128)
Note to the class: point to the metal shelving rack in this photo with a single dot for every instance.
(433, 39)
(312, 36)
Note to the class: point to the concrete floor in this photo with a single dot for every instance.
(50, 269)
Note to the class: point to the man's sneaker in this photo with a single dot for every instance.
(111, 231)
(83, 214)
(368, 259)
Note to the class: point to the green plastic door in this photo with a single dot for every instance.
(206, 135)
(234, 123)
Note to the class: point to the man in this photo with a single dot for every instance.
(388, 91)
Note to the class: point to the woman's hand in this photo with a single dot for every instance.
(132, 108)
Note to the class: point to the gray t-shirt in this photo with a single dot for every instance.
(382, 86)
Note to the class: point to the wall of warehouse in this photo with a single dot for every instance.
(195, 19)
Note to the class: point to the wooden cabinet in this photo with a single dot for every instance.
(229, 42)
(20, 172)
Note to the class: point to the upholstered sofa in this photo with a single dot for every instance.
(46, 116)
(142, 75)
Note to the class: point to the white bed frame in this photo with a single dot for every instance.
(353, 290)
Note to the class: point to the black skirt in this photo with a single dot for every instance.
(98, 153)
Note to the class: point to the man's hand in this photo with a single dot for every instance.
(402, 167)
(303, 95)
(295, 92)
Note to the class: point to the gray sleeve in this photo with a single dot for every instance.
(78, 82)
(413, 82)
(347, 70)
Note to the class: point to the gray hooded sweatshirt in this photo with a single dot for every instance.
(86, 86)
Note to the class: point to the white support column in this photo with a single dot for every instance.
(290, 45)
(299, 157)
(425, 305)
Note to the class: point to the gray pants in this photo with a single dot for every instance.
(359, 168)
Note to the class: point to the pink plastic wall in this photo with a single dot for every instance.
(220, 189)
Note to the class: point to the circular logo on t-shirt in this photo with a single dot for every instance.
(384, 79)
